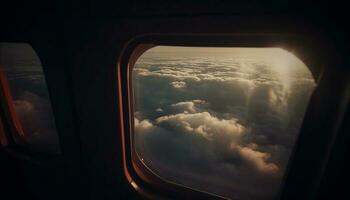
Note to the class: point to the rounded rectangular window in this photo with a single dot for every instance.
(219, 120)
(26, 98)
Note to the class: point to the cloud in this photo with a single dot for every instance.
(201, 144)
(185, 106)
(192, 106)
(142, 125)
(23, 106)
(169, 73)
(35, 113)
(36, 117)
(204, 124)
(178, 84)
(256, 158)
(222, 132)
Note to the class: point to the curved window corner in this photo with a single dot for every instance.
(25, 100)
(220, 121)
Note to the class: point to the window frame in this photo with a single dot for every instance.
(142, 179)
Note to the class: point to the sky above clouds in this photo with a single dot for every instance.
(221, 120)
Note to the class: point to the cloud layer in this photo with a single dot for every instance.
(225, 124)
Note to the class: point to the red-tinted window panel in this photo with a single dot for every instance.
(27, 100)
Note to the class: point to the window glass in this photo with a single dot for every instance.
(219, 120)
(28, 99)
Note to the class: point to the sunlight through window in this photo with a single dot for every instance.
(219, 120)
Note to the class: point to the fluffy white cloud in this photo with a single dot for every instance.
(178, 84)
(185, 106)
(256, 158)
(142, 125)
(204, 124)
(188, 106)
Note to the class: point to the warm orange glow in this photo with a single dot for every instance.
(9, 101)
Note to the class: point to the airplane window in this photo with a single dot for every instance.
(218, 119)
(27, 98)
